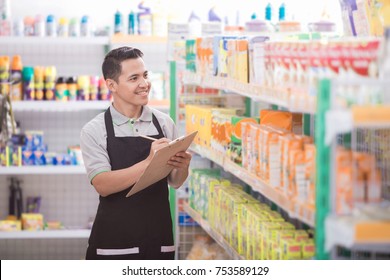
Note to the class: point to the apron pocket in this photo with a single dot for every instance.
(117, 252)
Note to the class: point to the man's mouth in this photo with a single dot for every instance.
(142, 93)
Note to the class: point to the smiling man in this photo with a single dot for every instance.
(115, 156)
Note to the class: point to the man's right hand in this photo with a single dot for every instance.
(156, 145)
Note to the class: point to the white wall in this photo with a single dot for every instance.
(102, 12)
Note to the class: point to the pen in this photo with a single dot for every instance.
(147, 137)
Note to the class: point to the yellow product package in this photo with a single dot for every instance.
(7, 225)
(32, 221)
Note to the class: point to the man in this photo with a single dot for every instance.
(115, 156)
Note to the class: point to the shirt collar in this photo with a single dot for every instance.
(119, 119)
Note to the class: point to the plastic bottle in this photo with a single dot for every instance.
(213, 15)
(268, 12)
(29, 26)
(103, 90)
(16, 78)
(50, 82)
(39, 26)
(145, 20)
(39, 78)
(18, 28)
(74, 27)
(5, 18)
(61, 90)
(4, 75)
(195, 25)
(94, 88)
(118, 23)
(28, 83)
(282, 12)
(132, 23)
(63, 27)
(51, 27)
(83, 87)
(85, 30)
(72, 88)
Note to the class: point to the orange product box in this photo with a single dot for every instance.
(344, 187)
(310, 172)
(251, 147)
(295, 157)
(241, 67)
(279, 119)
(288, 142)
(271, 152)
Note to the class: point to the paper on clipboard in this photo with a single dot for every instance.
(158, 167)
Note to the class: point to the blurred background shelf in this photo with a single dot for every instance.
(46, 234)
(42, 170)
(215, 235)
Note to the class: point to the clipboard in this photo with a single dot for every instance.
(158, 167)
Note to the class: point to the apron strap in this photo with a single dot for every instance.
(110, 127)
(157, 125)
(109, 124)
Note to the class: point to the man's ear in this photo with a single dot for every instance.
(111, 85)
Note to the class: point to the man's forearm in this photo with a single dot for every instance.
(177, 177)
(110, 182)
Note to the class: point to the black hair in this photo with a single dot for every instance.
(112, 67)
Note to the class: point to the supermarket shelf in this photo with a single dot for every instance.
(215, 235)
(46, 234)
(70, 106)
(42, 170)
(295, 210)
(357, 235)
(255, 92)
(132, 39)
(57, 106)
(206, 153)
(99, 40)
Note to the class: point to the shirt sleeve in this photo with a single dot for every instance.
(94, 153)
(171, 131)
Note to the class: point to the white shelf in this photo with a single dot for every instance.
(46, 234)
(73, 106)
(257, 93)
(42, 170)
(214, 234)
(99, 40)
(355, 234)
(295, 210)
(55, 106)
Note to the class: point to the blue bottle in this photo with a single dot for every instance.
(268, 12)
(118, 23)
(282, 12)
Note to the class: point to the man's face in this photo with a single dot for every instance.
(133, 84)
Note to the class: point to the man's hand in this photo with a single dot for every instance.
(180, 160)
(156, 145)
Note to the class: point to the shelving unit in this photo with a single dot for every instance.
(294, 210)
(66, 195)
(53, 41)
(72, 106)
(42, 170)
(47, 234)
(214, 234)
(357, 234)
(254, 92)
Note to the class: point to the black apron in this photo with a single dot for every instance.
(137, 227)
